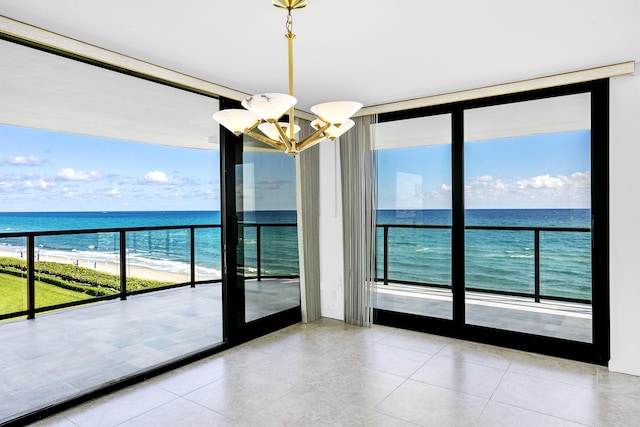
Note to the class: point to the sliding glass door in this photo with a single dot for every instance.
(492, 220)
(260, 239)
(528, 217)
(413, 262)
(268, 236)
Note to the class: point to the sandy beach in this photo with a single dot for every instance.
(112, 267)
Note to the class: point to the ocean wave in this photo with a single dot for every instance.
(423, 249)
(92, 259)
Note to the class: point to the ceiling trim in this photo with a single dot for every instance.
(38, 37)
(21, 32)
(606, 71)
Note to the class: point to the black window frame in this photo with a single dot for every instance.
(598, 351)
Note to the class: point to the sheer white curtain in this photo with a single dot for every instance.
(358, 164)
(308, 187)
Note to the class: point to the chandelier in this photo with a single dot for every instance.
(263, 111)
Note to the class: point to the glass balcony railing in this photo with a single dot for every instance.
(542, 263)
(51, 270)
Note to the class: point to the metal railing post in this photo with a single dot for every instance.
(123, 265)
(193, 256)
(537, 265)
(385, 255)
(258, 258)
(31, 279)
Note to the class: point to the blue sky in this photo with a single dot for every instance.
(44, 171)
(537, 171)
(51, 171)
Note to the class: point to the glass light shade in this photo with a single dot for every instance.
(269, 106)
(336, 112)
(236, 120)
(332, 131)
(270, 130)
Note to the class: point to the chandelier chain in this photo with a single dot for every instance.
(289, 23)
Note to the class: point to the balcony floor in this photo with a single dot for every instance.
(564, 320)
(60, 354)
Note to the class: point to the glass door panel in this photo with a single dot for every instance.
(413, 242)
(267, 233)
(124, 164)
(527, 217)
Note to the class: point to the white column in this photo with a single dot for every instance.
(331, 251)
(624, 225)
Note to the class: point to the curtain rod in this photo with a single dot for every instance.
(603, 72)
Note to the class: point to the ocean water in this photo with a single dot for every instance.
(166, 250)
(502, 260)
(494, 259)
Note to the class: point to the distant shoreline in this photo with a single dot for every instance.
(112, 267)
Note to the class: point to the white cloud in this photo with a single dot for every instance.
(114, 193)
(5, 185)
(160, 177)
(70, 174)
(157, 177)
(538, 190)
(581, 179)
(45, 184)
(543, 181)
(22, 182)
(24, 160)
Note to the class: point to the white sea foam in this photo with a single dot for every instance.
(94, 259)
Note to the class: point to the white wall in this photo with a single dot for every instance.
(331, 250)
(624, 227)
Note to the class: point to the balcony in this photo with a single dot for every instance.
(132, 300)
(533, 298)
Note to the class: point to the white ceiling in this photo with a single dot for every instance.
(45, 91)
(371, 51)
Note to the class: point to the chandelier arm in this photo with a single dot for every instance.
(327, 121)
(288, 143)
(253, 126)
(310, 142)
(272, 142)
(314, 138)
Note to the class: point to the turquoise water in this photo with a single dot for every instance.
(166, 250)
(502, 260)
(494, 259)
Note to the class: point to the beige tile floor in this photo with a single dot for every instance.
(330, 373)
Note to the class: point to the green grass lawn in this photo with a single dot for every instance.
(13, 294)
